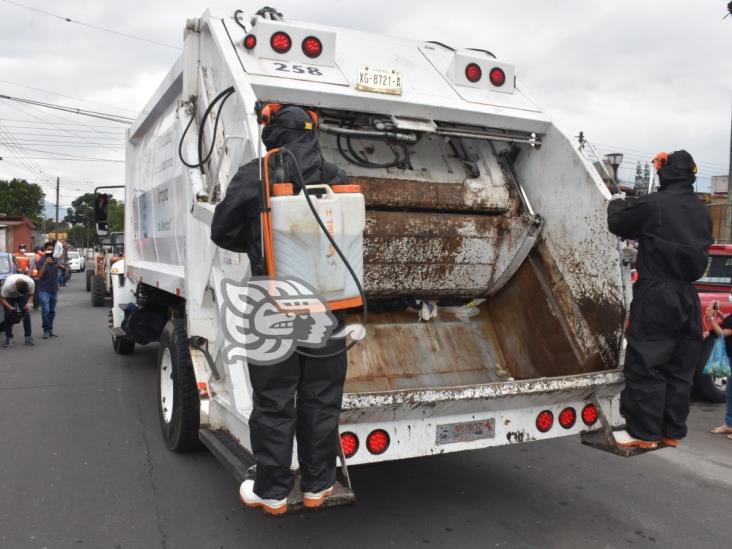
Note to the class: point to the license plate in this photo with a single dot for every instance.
(377, 80)
(466, 431)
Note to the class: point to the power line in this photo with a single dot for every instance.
(65, 159)
(72, 110)
(105, 126)
(96, 27)
(49, 92)
(69, 132)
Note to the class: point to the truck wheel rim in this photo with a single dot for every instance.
(166, 385)
(720, 382)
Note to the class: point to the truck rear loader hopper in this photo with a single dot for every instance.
(477, 208)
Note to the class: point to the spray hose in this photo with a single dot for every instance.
(269, 245)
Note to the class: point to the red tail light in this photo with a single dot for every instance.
(473, 72)
(544, 421)
(589, 414)
(250, 41)
(497, 77)
(312, 47)
(378, 441)
(567, 418)
(280, 42)
(349, 443)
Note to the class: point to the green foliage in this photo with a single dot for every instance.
(116, 216)
(18, 197)
(81, 217)
(81, 209)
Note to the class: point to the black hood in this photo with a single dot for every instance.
(281, 133)
(678, 171)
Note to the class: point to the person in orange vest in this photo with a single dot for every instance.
(22, 260)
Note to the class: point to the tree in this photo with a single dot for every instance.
(81, 209)
(18, 197)
(116, 216)
(80, 215)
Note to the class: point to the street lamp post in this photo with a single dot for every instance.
(615, 159)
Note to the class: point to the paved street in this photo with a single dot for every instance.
(83, 465)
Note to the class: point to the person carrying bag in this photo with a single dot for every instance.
(718, 364)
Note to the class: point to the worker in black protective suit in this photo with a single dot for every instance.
(664, 337)
(300, 396)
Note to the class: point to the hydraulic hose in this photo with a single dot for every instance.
(301, 182)
(223, 96)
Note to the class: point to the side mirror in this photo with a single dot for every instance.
(102, 228)
(101, 203)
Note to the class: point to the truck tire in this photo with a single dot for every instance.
(123, 345)
(98, 291)
(707, 387)
(178, 404)
(89, 277)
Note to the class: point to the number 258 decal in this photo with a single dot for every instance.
(297, 69)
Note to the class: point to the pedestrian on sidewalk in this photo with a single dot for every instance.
(48, 268)
(16, 297)
(723, 330)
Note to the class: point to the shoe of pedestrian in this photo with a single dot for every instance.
(722, 430)
(624, 440)
(52, 334)
(8, 342)
(670, 442)
(29, 341)
(45, 335)
(316, 499)
(252, 500)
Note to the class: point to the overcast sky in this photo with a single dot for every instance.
(635, 76)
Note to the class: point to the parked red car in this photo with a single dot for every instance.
(715, 285)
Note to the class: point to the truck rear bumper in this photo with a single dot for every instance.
(437, 421)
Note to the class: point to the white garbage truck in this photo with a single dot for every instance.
(496, 295)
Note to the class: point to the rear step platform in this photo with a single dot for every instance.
(603, 439)
(598, 439)
(239, 463)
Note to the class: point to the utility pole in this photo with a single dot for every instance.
(58, 183)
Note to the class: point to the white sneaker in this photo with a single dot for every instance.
(252, 500)
(624, 440)
(316, 499)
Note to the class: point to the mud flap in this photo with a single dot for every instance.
(240, 464)
(603, 439)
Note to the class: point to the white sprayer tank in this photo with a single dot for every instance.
(301, 249)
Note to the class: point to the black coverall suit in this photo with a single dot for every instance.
(300, 396)
(674, 231)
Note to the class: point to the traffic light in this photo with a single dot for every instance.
(101, 201)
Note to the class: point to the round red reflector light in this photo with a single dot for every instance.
(498, 77)
(589, 414)
(378, 441)
(250, 41)
(349, 443)
(567, 418)
(312, 47)
(473, 72)
(544, 421)
(280, 42)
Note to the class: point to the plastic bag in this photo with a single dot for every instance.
(718, 363)
(465, 312)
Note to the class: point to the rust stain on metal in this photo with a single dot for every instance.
(458, 197)
(437, 254)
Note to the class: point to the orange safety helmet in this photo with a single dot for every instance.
(660, 160)
(271, 109)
